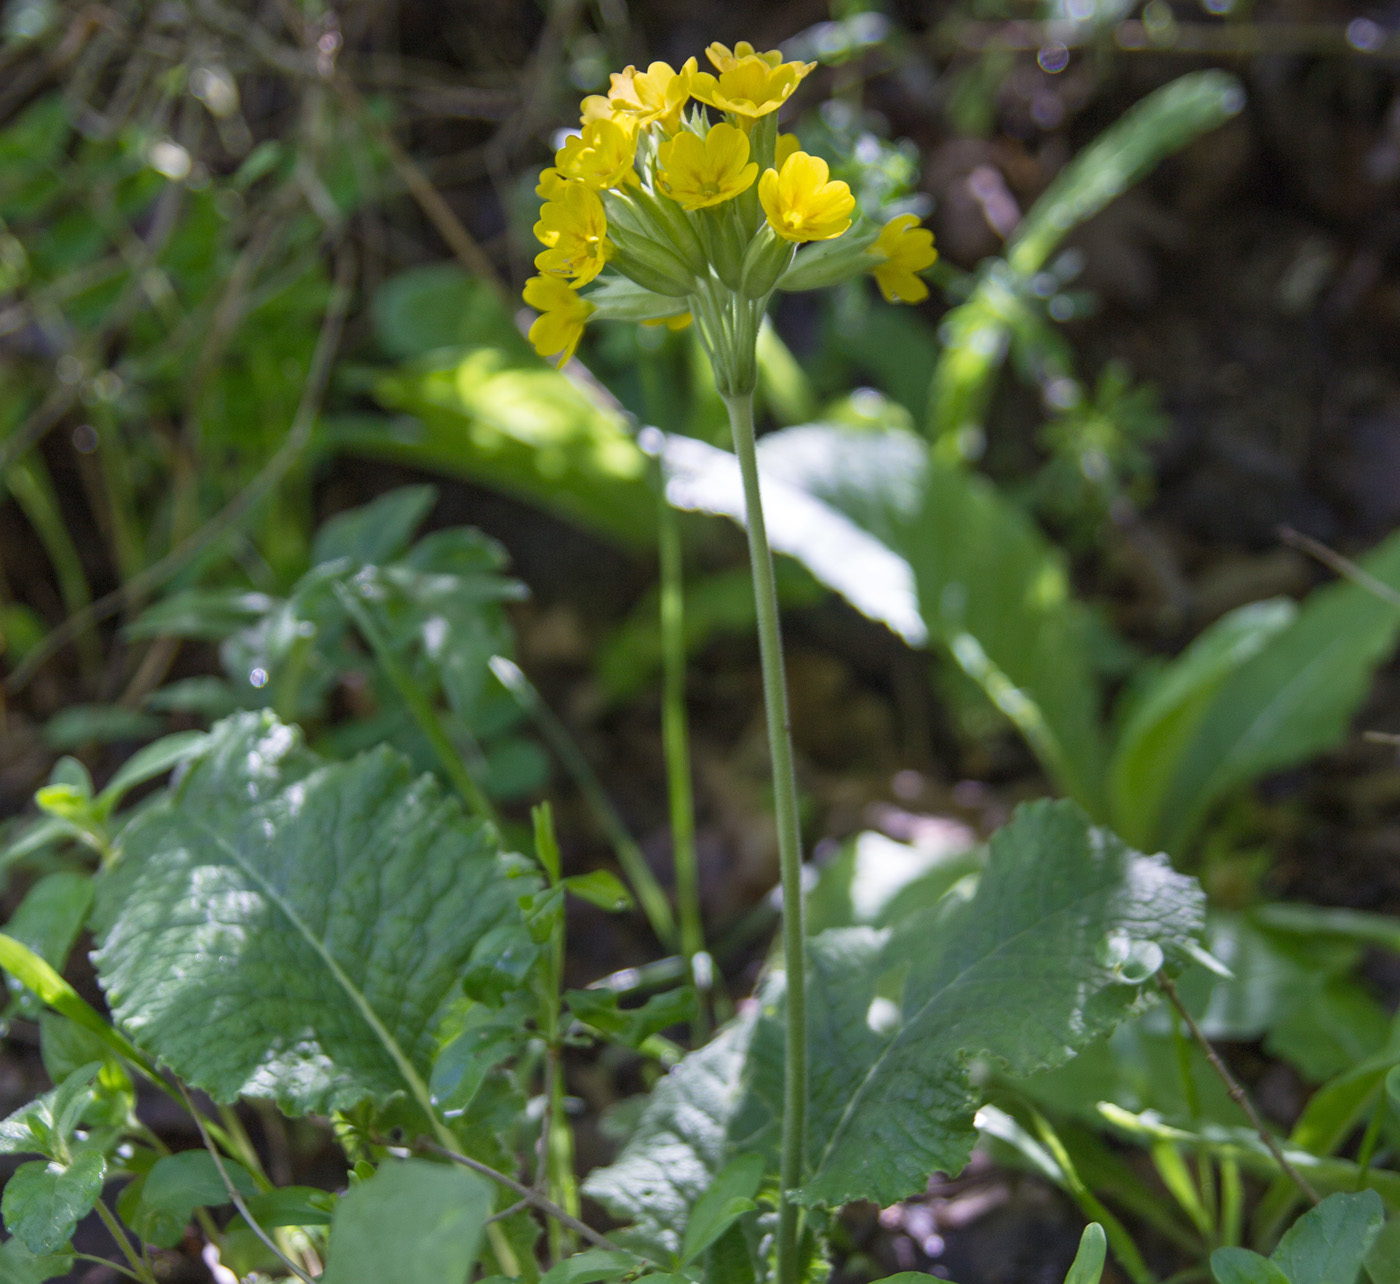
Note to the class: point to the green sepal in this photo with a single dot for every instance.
(668, 219)
(766, 260)
(650, 265)
(828, 263)
(615, 298)
(724, 242)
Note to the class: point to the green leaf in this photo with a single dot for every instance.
(812, 476)
(679, 1145)
(291, 1206)
(280, 927)
(19, 1266)
(51, 915)
(413, 1222)
(147, 763)
(997, 594)
(44, 1201)
(1087, 1267)
(180, 1183)
(590, 1267)
(463, 1064)
(602, 888)
(495, 415)
(729, 1197)
(30, 970)
(428, 308)
(1147, 133)
(631, 1026)
(874, 881)
(1014, 975)
(1167, 713)
(1240, 1266)
(376, 532)
(1293, 699)
(1328, 1244)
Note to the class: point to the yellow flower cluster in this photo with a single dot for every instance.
(693, 216)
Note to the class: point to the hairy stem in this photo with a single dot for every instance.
(775, 704)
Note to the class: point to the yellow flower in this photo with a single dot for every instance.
(559, 326)
(698, 172)
(802, 202)
(723, 57)
(787, 144)
(750, 88)
(552, 184)
(600, 157)
(654, 95)
(908, 248)
(574, 230)
(677, 322)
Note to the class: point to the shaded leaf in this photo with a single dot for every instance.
(44, 1201)
(413, 1222)
(1015, 974)
(285, 928)
(1328, 1244)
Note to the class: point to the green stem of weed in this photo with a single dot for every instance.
(675, 735)
(775, 701)
(419, 707)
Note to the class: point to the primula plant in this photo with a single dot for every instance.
(331, 920)
(704, 218)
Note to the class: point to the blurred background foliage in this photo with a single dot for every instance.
(260, 331)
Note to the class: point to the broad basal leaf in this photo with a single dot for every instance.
(680, 1145)
(838, 550)
(1293, 699)
(994, 591)
(1169, 710)
(1023, 974)
(282, 927)
(1020, 974)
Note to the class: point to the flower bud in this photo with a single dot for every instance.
(824, 263)
(616, 299)
(765, 261)
(650, 265)
(724, 242)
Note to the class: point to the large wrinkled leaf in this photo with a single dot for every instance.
(1024, 974)
(412, 1222)
(285, 928)
(997, 594)
(44, 1201)
(680, 1145)
(1293, 699)
(1170, 709)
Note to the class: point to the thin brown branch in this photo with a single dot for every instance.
(1343, 566)
(1237, 1092)
(235, 1198)
(532, 1197)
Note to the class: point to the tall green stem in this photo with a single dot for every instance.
(775, 704)
(675, 734)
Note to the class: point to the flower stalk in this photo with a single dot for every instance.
(775, 704)
(666, 216)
